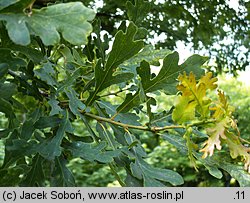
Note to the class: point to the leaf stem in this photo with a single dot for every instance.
(145, 128)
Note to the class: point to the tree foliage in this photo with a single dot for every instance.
(57, 68)
(209, 25)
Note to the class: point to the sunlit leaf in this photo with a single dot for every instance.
(49, 22)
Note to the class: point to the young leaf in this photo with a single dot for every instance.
(193, 98)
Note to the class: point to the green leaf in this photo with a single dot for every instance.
(21, 147)
(152, 175)
(149, 54)
(18, 6)
(165, 80)
(124, 47)
(7, 90)
(214, 171)
(151, 182)
(237, 172)
(176, 141)
(27, 129)
(6, 57)
(62, 176)
(6, 3)
(16, 149)
(105, 134)
(51, 148)
(127, 118)
(12, 176)
(71, 79)
(92, 152)
(35, 177)
(55, 108)
(47, 122)
(75, 104)
(6, 108)
(3, 69)
(194, 64)
(137, 12)
(131, 181)
(49, 22)
(31, 53)
(47, 73)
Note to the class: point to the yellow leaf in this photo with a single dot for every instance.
(216, 133)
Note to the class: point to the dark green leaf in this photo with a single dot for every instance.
(18, 6)
(214, 171)
(3, 69)
(237, 172)
(6, 3)
(31, 53)
(27, 129)
(55, 108)
(47, 73)
(139, 11)
(7, 90)
(131, 181)
(128, 118)
(71, 79)
(47, 122)
(165, 80)
(62, 176)
(149, 54)
(151, 182)
(12, 176)
(92, 152)
(177, 141)
(75, 104)
(150, 174)
(105, 134)
(51, 148)
(6, 108)
(7, 58)
(124, 47)
(35, 177)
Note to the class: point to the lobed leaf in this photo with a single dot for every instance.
(193, 99)
(151, 175)
(124, 47)
(165, 80)
(92, 151)
(49, 22)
